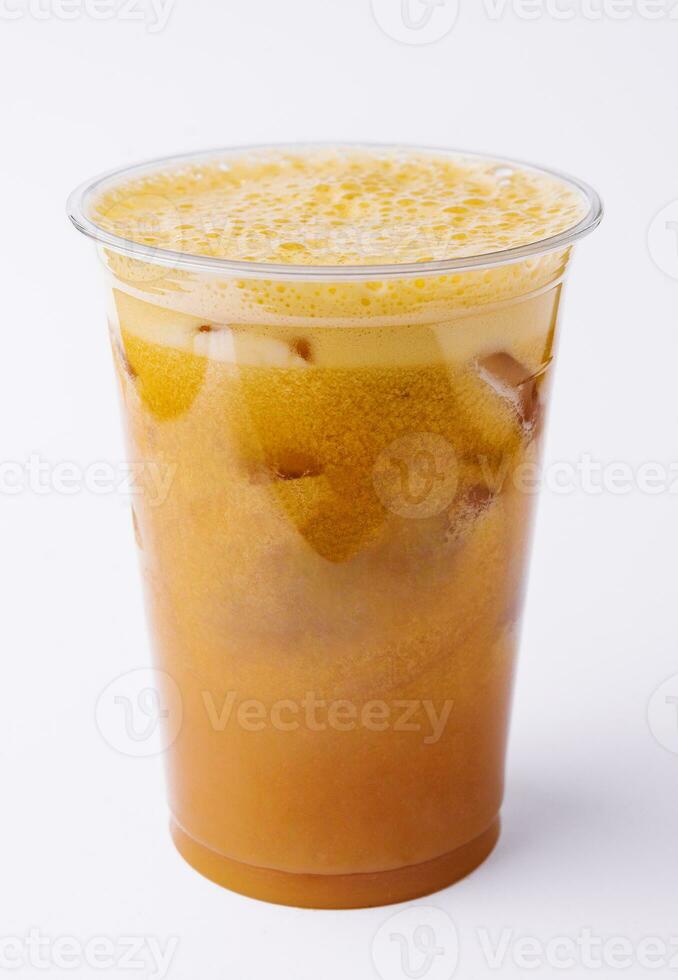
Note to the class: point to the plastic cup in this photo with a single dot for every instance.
(334, 572)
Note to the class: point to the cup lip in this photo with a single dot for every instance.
(80, 198)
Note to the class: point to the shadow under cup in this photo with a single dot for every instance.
(338, 471)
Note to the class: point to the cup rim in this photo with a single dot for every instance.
(79, 200)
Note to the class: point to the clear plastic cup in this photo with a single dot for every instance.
(334, 573)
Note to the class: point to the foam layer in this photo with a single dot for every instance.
(339, 206)
(342, 206)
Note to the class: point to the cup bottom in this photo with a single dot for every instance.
(336, 891)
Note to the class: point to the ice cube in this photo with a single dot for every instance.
(512, 380)
(287, 465)
(295, 465)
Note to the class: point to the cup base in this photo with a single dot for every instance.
(336, 891)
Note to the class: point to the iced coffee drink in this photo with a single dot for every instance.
(341, 356)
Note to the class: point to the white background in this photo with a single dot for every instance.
(590, 816)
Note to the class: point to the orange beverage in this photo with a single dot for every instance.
(342, 357)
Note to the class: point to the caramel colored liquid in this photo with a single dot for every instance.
(335, 564)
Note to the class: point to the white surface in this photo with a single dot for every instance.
(590, 816)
